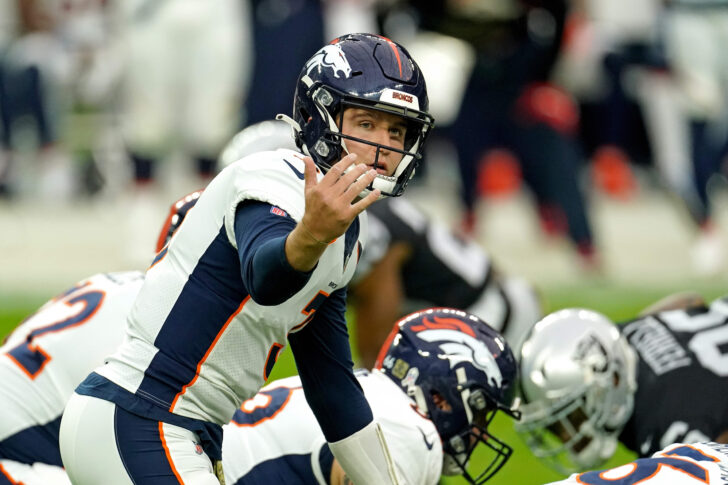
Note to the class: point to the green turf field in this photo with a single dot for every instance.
(619, 303)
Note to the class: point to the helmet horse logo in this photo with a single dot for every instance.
(459, 347)
(330, 56)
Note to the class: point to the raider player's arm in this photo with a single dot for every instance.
(323, 359)
(675, 301)
(377, 299)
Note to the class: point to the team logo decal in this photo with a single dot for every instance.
(591, 352)
(330, 56)
(459, 347)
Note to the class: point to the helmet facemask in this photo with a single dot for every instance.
(579, 431)
(330, 146)
(478, 409)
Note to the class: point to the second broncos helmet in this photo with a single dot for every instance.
(176, 215)
(460, 373)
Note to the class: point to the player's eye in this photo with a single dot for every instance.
(397, 133)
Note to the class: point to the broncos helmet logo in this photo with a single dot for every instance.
(330, 56)
(460, 347)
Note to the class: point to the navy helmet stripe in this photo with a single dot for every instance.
(210, 298)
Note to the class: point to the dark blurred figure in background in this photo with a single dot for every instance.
(39, 54)
(285, 32)
(651, 83)
(509, 103)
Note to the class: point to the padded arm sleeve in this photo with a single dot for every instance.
(365, 458)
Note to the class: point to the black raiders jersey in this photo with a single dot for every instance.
(682, 377)
(443, 269)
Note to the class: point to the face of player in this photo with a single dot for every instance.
(377, 127)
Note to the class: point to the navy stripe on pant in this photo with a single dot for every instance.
(141, 449)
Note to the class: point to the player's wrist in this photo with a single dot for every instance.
(317, 239)
(302, 252)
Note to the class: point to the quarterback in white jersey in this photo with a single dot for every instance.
(441, 377)
(678, 464)
(412, 261)
(43, 361)
(263, 257)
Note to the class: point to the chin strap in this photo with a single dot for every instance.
(365, 458)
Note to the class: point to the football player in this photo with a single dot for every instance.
(650, 382)
(51, 352)
(678, 464)
(440, 378)
(43, 361)
(264, 257)
(412, 261)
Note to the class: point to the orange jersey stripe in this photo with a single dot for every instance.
(166, 452)
(204, 357)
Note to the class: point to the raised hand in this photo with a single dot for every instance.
(331, 205)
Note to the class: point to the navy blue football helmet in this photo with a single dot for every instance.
(460, 373)
(360, 71)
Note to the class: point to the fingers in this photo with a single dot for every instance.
(309, 172)
(353, 176)
(360, 183)
(361, 205)
(335, 172)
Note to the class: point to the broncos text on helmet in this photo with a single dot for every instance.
(578, 379)
(460, 373)
(360, 71)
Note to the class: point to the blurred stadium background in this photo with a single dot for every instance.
(70, 206)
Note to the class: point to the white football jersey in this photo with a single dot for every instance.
(197, 344)
(52, 351)
(677, 464)
(274, 437)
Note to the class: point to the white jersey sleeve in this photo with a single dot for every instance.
(52, 351)
(275, 436)
(677, 464)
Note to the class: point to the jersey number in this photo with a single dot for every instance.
(710, 334)
(29, 356)
(644, 468)
(263, 406)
